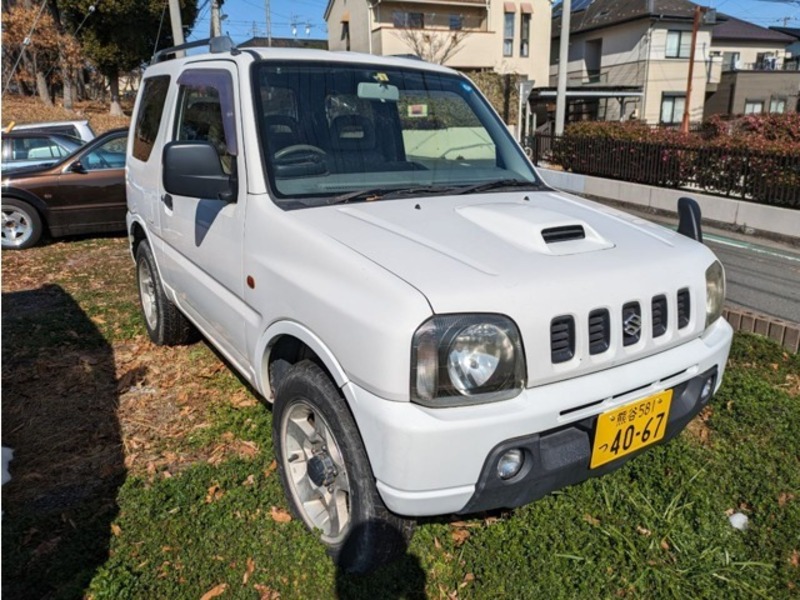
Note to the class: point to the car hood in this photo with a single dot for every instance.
(502, 253)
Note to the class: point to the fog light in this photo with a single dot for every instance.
(708, 389)
(510, 464)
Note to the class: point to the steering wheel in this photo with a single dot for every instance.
(295, 148)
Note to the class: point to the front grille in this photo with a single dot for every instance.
(599, 331)
(564, 233)
(605, 328)
(659, 309)
(562, 339)
(684, 308)
(631, 323)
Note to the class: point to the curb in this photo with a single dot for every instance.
(785, 333)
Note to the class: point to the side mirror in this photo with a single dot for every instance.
(689, 219)
(77, 167)
(194, 169)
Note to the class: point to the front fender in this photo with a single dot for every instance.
(29, 197)
(273, 333)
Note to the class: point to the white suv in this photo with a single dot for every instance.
(438, 330)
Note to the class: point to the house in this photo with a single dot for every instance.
(640, 46)
(280, 42)
(792, 60)
(757, 75)
(506, 37)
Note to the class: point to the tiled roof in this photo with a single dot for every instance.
(792, 31)
(736, 29)
(588, 15)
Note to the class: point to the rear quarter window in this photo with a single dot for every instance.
(148, 120)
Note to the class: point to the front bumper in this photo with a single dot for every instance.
(438, 461)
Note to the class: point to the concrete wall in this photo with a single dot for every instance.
(771, 219)
(358, 14)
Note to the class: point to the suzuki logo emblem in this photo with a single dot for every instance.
(632, 324)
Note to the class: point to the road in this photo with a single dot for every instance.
(761, 278)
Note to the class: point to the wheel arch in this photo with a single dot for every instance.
(292, 342)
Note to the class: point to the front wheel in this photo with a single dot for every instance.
(22, 225)
(324, 469)
(165, 324)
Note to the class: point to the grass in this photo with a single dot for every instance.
(143, 472)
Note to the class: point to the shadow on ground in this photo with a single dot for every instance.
(59, 414)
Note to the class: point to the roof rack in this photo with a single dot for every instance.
(216, 45)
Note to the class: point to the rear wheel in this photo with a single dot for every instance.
(22, 225)
(326, 474)
(165, 324)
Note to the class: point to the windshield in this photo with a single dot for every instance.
(341, 132)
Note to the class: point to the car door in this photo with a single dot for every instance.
(91, 189)
(203, 237)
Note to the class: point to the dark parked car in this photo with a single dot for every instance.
(36, 148)
(84, 193)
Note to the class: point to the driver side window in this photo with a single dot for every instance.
(110, 155)
(205, 112)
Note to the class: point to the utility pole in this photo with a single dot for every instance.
(216, 25)
(563, 65)
(699, 11)
(269, 25)
(177, 26)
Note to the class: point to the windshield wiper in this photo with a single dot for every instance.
(367, 194)
(496, 184)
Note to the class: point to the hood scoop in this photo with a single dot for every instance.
(565, 233)
(535, 229)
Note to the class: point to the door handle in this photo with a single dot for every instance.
(167, 200)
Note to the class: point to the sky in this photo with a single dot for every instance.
(244, 17)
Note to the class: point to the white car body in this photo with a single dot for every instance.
(81, 129)
(354, 282)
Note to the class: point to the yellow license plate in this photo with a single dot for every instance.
(630, 427)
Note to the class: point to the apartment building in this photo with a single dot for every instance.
(506, 37)
(640, 46)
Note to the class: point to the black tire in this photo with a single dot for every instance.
(165, 324)
(22, 225)
(373, 535)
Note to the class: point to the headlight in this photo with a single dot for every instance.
(466, 359)
(715, 292)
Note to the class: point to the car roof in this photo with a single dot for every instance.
(15, 133)
(50, 124)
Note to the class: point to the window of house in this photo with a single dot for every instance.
(149, 118)
(456, 22)
(777, 105)
(730, 61)
(408, 20)
(753, 107)
(679, 44)
(525, 35)
(346, 34)
(508, 35)
(672, 107)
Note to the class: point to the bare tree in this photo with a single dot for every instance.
(432, 45)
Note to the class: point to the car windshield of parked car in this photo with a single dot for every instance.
(341, 132)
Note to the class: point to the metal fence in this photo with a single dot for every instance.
(763, 177)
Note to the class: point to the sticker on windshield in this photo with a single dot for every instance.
(417, 110)
(381, 77)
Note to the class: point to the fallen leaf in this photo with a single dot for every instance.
(468, 578)
(266, 593)
(785, 497)
(437, 544)
(251, 566)
(279, 515)
(214, 493)
(591, 520)
(664, 544)
(116, 530)
(795, 559)
(459, 536)
(272, 466)
(217, 590)
(642, 531)
(249, 481)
